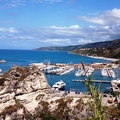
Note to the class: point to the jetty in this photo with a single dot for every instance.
(97, 81)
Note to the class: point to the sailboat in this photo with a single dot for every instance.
(79, 72)
(107, 72)
(104, 72)
(117, 80)
(89, 71)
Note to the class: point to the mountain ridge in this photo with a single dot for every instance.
(110, 49)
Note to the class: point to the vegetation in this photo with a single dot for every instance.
(113, 112)
(62, 111)
(73, 47)
(11, 108)
(98, 111)
(110, 49)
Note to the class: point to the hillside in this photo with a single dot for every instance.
(110, 49)
(73, 47)
(60, 48)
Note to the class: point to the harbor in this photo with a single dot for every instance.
(76, 74)
(45, 60)
(80, 69)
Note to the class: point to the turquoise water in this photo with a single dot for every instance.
(25, 57)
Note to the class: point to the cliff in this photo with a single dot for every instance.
(26, 95)
(21, 84)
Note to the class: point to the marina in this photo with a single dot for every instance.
(45, 60)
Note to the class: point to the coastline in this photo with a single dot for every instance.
(104, 58)
(96, 57)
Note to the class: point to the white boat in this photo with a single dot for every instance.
(0, 70)
(108, 72)
(66, 70)
(79, 71)
(89, 71)
(117, 81)
(104, 72)
(2, 61)
(59, 85)
(112, 74)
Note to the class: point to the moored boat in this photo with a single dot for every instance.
(59, 85)
(79, 72)
(107, 72)
(117, 81)
(104, 72)
(2, 61)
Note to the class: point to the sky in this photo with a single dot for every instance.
(29, 24)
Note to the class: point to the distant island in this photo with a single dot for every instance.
(108, 49)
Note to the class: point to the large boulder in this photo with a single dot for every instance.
(23, 84)
(23, 80)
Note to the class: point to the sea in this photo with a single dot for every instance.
(26, 57)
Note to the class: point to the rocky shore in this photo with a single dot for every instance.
(22, 84)
(25, 94)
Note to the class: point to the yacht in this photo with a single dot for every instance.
(66, 70)
(2, 61)
(59, 85)
(89, 71)
(104, 72)
(80, 71)
(108, 72)
(112, 74)
(0, 70)
(117, 81)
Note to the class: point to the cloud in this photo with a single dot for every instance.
(95, 20)
(105, 18)
(51, 1)
(16, 3)
(60, 36)
(8, 30)
(12, 3)
(75, 27)
(57, 41)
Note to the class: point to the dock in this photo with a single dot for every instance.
(97, 81)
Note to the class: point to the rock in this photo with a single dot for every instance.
(26, 95)
(23, 84)
(23, 80)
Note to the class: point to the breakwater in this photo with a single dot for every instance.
(97, 81)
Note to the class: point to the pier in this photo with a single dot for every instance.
(97, 81)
